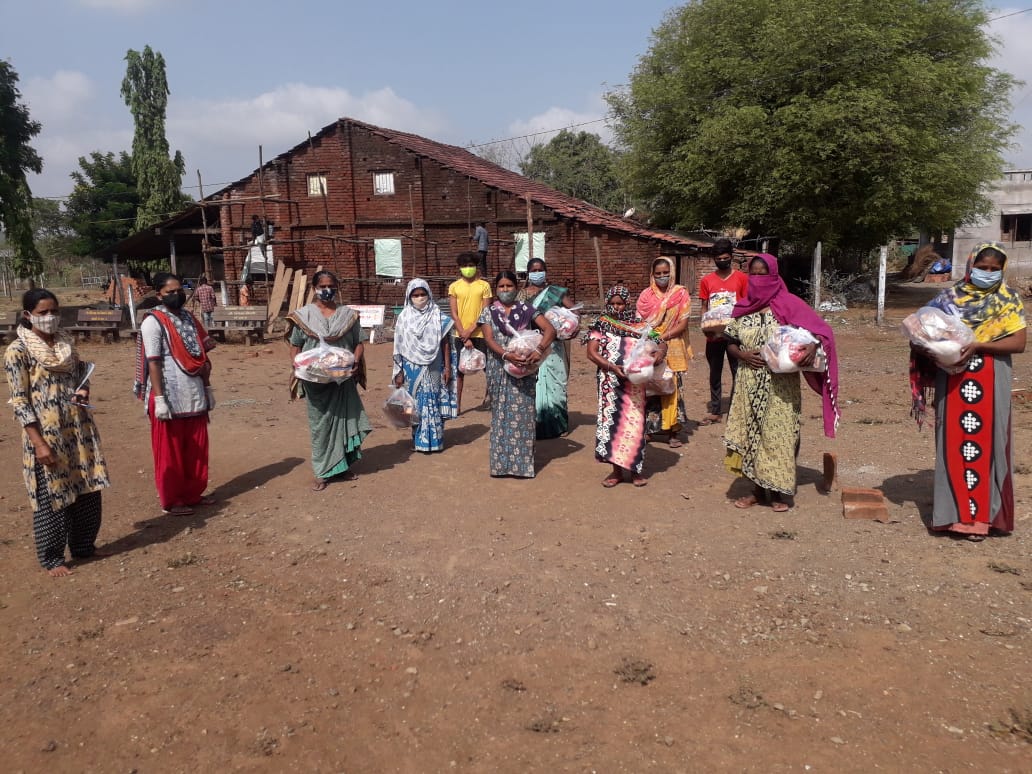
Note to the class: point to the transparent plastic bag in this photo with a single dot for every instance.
(523, 344)
(787, 347)
(640, 363)
(471, 360)
(662, 382)
(565, 321)
(324, 364)
(715, 320)
(940, 334)
(400, 409)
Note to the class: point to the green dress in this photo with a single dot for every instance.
(762, 436)
(552, 417)
(336, 418)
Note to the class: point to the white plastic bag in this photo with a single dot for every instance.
(324, 364)
(943, 335)
(787, 347)
(471, 360)
(522, 344)
(565, 321)
(662, 382)
(640, 363)
(400, 409)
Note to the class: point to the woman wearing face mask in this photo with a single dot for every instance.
(665, 306)
(336, 418)
(974, 477)
(422, 364)
(552, 417)
(172, 372)
(512, 399)
(62, 462)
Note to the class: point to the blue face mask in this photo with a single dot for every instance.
(536, 278)
(984, 279)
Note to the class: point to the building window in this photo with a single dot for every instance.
(523, 248)
(317, 185)
(388, 257)
(383, 183)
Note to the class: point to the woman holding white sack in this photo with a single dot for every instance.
(422, 364)
(511, 377)
(762, 436)
(336, 418)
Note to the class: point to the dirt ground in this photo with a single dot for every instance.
(428, 618)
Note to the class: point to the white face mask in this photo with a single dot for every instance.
(47, 324)
(421, 302)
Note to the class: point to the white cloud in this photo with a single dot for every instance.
(221, 137)
(59, 97)
(1014, 55)
(546, 125)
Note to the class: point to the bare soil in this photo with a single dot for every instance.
(429, 618)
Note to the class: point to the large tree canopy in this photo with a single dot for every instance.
(845, 122)
(17, 158)
(103, 205)
(578, 164)
(158, 177)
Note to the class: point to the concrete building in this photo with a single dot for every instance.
(1010, 222)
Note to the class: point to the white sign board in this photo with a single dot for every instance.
(369, 315)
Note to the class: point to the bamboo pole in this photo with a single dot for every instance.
(265, 223)
(815, 281)
(530, 230)
(883, 255)
(204, 222)
(598, 267)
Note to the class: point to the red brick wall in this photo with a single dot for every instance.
(443, 203)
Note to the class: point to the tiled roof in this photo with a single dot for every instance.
(466, 163)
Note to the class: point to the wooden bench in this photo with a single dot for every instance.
(249, 320)
(106, 322)
(9, 324)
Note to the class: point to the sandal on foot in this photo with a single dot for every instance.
(319, 485)
(747, 502)
(675, 443)
(178, 510)
(779, 507)
(639, 481)
(709, 419)
(610, 481)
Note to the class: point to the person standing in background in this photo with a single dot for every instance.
(205, 295)
(481, 241)
(468, 296)
(726, 286)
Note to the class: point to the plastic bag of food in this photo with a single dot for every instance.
(523, 344)
(640, 363)
(787, 347)
(324, 364)
(565, 321)
(662, 381)
(943, 335)
(400, 409)
(471, 360)
(715, 320)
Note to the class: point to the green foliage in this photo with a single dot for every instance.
(158, 177)
(103, 205)
(844, 122)
(17, 157)
(578, 164)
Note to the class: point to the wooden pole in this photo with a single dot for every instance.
(598, 266)
(119, 290)
(815, 280)
(172, 254)
(265, 224)
(883, 257)
(530, 230)
(204, 222)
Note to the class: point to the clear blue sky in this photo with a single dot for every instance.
(244, 73)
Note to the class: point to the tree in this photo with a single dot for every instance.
(158, 177)
(17, 158)
(103, 205)
(844, 122)
(578, 164)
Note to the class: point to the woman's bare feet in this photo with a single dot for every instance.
(319, 484)
(60, 571)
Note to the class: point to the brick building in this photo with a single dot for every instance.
(379, 206)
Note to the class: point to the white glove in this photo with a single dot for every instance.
(209, 393)
(161, 408)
